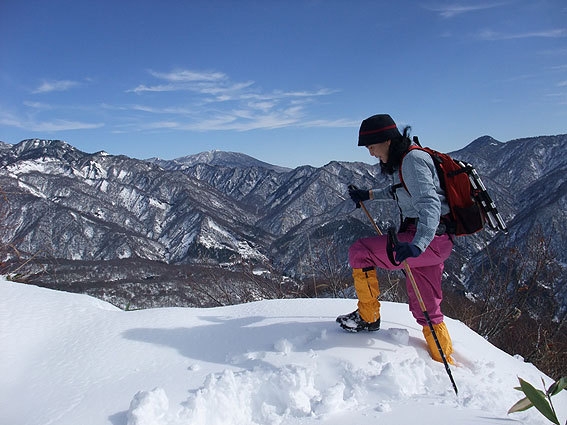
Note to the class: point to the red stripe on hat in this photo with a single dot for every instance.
(366, 133)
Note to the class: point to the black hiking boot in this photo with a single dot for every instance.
(353, 323)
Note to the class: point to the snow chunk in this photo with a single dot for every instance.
(401, 336)
(283, 346)
(148, 408)
(262, 396)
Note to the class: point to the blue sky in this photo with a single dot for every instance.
(287, 82)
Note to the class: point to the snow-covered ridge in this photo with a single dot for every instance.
(69, 359)
(218, 159)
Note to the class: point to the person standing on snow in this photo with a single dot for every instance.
(424, 244)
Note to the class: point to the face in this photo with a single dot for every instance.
(380, 150)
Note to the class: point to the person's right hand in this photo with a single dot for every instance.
(358, 195)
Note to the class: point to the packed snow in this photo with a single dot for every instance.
(69, 359)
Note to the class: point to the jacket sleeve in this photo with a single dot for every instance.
(420, 179)
(384, 193)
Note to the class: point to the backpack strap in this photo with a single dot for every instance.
(397, 186)
(402, 184)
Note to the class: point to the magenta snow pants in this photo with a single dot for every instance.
(427, 269)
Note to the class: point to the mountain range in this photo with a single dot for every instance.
(142, 233)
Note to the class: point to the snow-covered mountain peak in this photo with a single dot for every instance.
(32, 144)
(217, 158)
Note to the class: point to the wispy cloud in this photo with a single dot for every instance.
(455, 9)
(212, 83)
(38, 105)
(183, 100)
(494, 35)
(216, 84)
(183, 75)
(30, 124)
(220, 103)
(61, 125)
(156, 88)
(51, 86)
(231, 120)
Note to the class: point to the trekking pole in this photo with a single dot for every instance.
(370, 218)
(420, 300)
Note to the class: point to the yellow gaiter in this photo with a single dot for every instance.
(444, 340)
(367, 291)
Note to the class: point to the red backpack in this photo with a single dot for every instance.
(469, 202)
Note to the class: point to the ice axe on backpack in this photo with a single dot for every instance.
(393, 242)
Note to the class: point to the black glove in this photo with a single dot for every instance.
(358, 195)
(405, 250)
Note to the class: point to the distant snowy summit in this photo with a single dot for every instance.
(30, 149)
(216, 158)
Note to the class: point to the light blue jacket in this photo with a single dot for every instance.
(427, 201)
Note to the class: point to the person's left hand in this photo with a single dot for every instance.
(405, 250)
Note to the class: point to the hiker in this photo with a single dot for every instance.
(424, 244)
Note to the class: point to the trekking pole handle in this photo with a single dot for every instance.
(392, 234)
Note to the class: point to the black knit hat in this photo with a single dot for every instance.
(377, 129)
